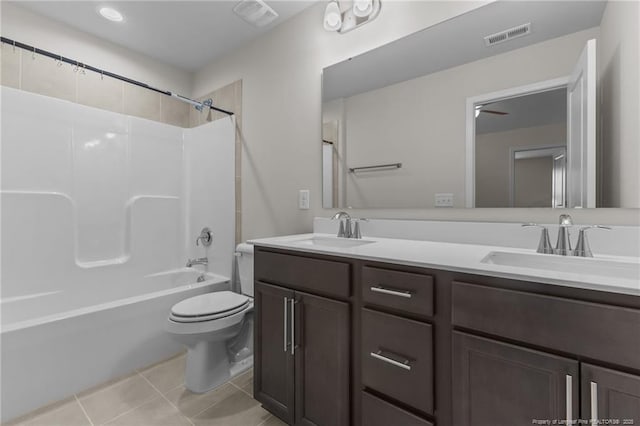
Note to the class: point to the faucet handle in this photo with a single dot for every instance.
(582, 246)
(357, 233)
(544, 245)
(341, 232)
(205, 236)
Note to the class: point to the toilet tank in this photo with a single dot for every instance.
(244, 257)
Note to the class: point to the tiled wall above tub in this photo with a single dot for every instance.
(22, 69)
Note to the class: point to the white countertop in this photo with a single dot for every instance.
(466, 258)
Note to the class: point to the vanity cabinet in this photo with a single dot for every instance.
(610, 394)
(343, 341)
(499, 384)
(273, 379)
(397, 358)
(302, 341)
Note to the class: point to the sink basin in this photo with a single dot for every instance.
(576, 265)
(332, 242)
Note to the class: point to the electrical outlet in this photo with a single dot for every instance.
(444, 200)
(303, 199)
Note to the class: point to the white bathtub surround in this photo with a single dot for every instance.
(100, 212)
(619, 241)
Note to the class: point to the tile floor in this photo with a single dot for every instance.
(156, 396)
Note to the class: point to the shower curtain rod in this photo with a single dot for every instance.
(83, 66)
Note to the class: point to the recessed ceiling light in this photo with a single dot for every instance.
(111, 14)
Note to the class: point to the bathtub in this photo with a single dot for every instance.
(57, 343)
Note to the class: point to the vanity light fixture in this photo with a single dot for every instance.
(362, 8)
(111, 14)
(359, 13)
(332, 16)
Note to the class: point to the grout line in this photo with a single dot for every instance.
(265, 420)
(132, 408)
(173, 388)
(241, 390)
(83, 410)
(215, 403)
(167, 399)
(129, 410)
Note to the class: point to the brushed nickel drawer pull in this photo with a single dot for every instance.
(286, 343)
(293, 326)
(399, 293)
(594, 403)
(569, 393)
(378, 355)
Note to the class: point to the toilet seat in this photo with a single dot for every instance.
(209, 306)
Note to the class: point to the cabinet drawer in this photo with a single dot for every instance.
(402, 291)
(376, 412)
(397, 358)
(303, 273)
(593, 330)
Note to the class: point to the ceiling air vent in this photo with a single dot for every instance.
(255, 12)
(506, 35)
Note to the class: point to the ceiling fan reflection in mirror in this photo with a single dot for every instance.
(481, 108)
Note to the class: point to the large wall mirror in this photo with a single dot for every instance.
(514, 104)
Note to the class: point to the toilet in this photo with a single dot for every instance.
(217, 329)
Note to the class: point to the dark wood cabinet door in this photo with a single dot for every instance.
(274, 366)
(498, 384)
(610, 394)
(322, 341)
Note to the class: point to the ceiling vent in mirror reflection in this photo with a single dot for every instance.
(255, 12)
(507, 35)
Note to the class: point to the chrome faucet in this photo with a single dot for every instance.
(544, 245)
(563, 244)
(345, 226)
(582, 246)
(200, 261)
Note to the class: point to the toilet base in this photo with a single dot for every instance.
(207, 366)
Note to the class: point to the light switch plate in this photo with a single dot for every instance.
(444, 200)
(303, 199)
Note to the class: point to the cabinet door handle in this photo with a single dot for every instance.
(293, 326)
(404, 365)
(569, 392)
(399, 293)
(286, 312)
(594, 403)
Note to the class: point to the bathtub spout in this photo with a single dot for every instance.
(201, 261)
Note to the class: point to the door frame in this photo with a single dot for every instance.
(533, 152)
(470, 139)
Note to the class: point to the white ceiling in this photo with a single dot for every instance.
(186, 34)
(458, 41)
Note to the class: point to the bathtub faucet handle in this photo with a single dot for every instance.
(205, 236)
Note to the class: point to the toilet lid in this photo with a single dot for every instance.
(209, 304)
